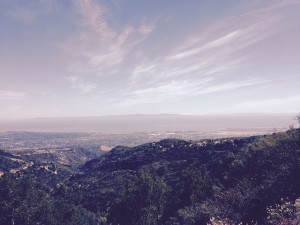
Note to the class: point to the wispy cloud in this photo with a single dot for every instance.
(179, 58)
(211, 55)
(98, 49)
(206, 46)
(11, 95)
(175, 91)
(269, 7)
(284, 104)
(81, 84)
(206, 61)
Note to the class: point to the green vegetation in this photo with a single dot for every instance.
(23, 202)
(253, 180)
(8, 161)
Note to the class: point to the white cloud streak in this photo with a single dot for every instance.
(201, 64)
(11, 95)
(82, 85)
(284, 104)
(98, 49)
(212, 54)
(175, 91)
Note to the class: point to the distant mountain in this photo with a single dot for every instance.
(148, 123)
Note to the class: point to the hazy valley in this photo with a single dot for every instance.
(140, 112)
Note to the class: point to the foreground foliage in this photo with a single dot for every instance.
(228, 181)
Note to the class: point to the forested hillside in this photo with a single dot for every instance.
(230, 181)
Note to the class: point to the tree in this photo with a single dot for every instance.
(285, 213)
(298, 118)
(143, 203)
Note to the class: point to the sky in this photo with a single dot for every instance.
(69, 58)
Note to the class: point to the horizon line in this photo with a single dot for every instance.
(151, 114)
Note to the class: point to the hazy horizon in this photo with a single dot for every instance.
(151, 123)
(78, 58)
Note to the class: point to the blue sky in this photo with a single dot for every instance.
(93, 57)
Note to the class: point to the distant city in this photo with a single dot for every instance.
(49, 142)
(73, 141)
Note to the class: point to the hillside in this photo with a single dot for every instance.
(9, 162)
(167, 182)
